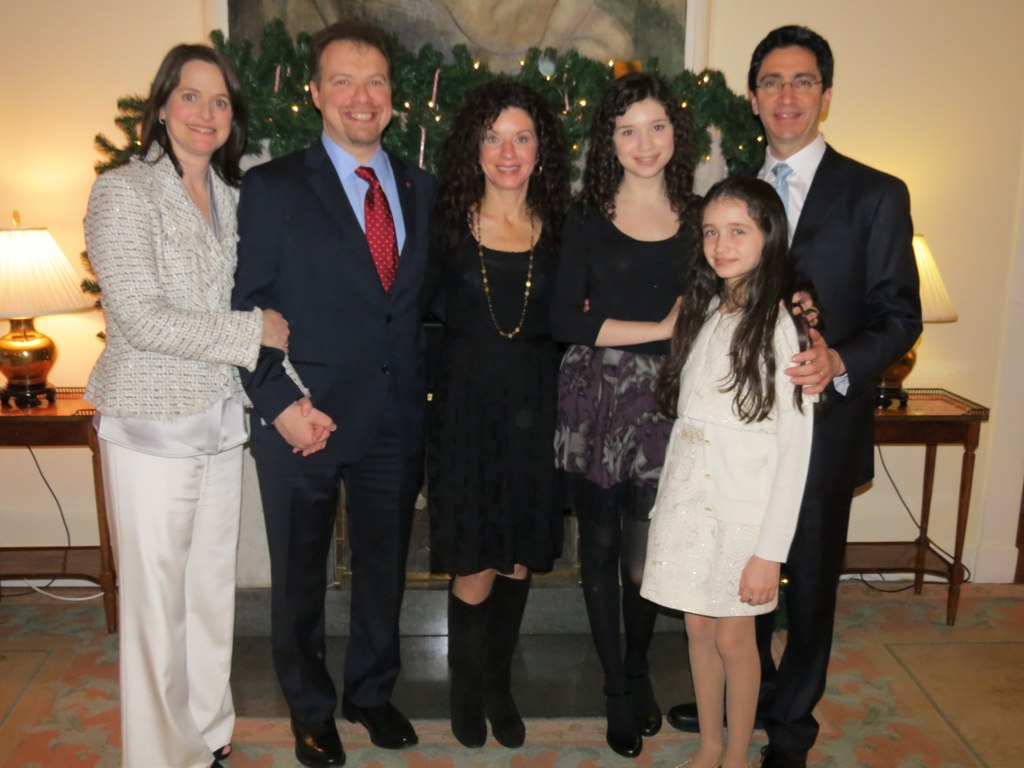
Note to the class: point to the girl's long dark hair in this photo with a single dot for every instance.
(462, 179)
(603, 173)
(762, 291)
(225, 160)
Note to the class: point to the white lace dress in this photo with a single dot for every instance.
(728, 489)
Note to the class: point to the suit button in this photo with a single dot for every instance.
(383, 369)
(387, 320)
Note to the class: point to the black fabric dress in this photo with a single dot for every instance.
(491, 477)
(612, 433)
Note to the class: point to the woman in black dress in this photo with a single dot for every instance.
(495, 516)
(624, 250)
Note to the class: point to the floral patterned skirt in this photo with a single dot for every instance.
(611, 434)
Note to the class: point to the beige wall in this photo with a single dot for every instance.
(924, 89)
(929, 90)
(65, 63)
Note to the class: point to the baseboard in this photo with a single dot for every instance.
(994, 564)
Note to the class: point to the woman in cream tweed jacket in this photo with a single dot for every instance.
(161, 237)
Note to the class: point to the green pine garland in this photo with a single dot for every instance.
(283, 117)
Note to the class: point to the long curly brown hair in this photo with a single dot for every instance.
(603, 173)
(462, 179)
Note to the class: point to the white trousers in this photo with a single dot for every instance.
(174, 525)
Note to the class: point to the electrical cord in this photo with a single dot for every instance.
(67, 537)
(60, 509)
(917, 524)
(42, 591)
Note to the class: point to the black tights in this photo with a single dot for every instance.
(605, 551)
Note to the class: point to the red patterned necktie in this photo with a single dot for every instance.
(380, 229)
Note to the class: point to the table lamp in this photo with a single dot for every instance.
(936, 307)
(35, 280)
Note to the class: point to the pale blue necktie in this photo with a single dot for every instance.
(782, 173)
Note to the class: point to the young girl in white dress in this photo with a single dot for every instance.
(737, 459)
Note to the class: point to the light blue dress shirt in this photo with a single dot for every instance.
(355, 188)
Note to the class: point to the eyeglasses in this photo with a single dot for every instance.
(776, 85)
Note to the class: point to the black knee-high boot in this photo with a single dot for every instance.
(508, 601)
(599, 561)
(639, 616)
(467, 642)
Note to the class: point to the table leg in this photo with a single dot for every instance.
(926, 510)
(108, 583)
(956, 574)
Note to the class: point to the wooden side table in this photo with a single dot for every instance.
(933, 417)
(68, 421)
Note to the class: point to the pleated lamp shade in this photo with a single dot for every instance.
(936, 306)
(35, 277)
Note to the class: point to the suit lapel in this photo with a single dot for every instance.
(323, 179)
(820, 198)
(327, 187)
(353, 251)
(407, 199)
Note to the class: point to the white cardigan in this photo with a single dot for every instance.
(755, 471)
(173, 344)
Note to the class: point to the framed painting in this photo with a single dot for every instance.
(499, 32)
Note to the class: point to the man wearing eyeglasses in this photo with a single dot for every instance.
(850, 234)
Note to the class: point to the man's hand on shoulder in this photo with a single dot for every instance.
(303, 427)
(815, 367)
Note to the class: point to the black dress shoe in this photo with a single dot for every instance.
(683, 717)
(223, 753)
(318, 745)
(773, 757)
(388, 728)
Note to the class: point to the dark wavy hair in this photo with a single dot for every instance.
(462, 179)
(353, 30)
(786, 37)
(603, 173)
(226, 159)
(761, 291)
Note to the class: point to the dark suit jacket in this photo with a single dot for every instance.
(853, 240)
(302, 252)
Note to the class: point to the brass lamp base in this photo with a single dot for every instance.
(26, 357)
(890, 388)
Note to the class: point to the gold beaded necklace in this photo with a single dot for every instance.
(475, 219)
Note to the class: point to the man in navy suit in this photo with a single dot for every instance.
(850, 234)
(357, 344)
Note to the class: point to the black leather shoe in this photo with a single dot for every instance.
(388, 728)
(683, 717)
(773, 757)
(223, 753)
(318, 745)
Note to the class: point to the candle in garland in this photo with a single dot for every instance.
(432, 105)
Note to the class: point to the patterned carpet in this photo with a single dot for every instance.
(905, 691)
